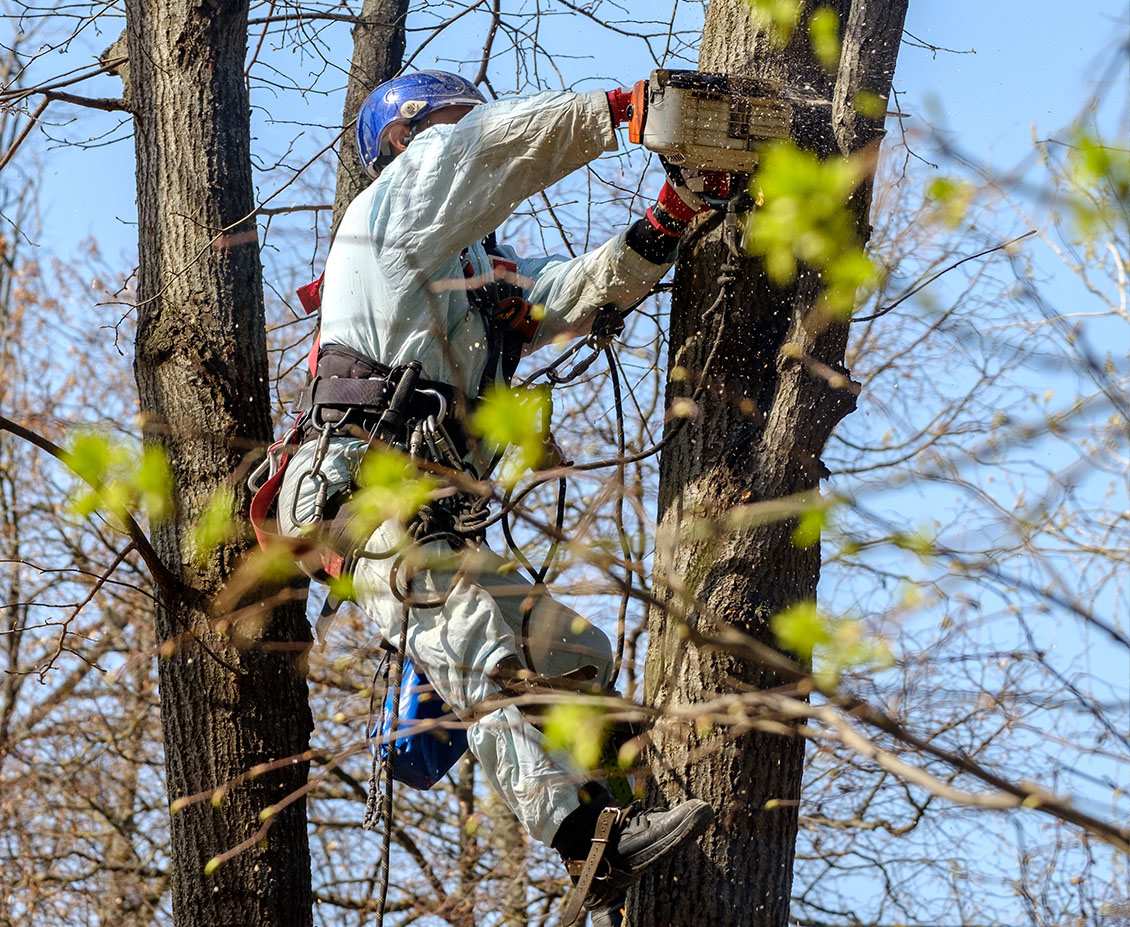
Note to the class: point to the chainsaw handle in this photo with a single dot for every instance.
(638, 119)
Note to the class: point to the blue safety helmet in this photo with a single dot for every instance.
(408, 98)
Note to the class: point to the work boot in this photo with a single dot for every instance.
(637, 839)
(646, 837)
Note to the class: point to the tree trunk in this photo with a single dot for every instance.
(201, 369)
(378, 50)
(762, 426)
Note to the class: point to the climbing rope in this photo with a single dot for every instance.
(387, 810)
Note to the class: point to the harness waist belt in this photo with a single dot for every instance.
(349, 381)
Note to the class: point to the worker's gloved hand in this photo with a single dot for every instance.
(683, 197)
(627, 105)
(693, 186)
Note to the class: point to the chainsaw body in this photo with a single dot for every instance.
(708, 122)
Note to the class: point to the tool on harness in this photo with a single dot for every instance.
(419, 758)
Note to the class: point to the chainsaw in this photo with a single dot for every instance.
(701, 123)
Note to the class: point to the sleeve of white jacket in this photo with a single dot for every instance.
(569, 291)
(456, 183)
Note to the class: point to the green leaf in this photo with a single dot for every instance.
(518, 418)
(779, 16)
(918, 542)
(870, 105)
(809, 527)
(117, 480)
(824, 34)
(342, 587)
(577, 729)
(154, 482)
(216, 523)
(838, 644)
(804, 218)
(91, 458)
(847, 279)
(801, 628)
(274, 564)
(390, 487)
(952, 199)
(1100, 174)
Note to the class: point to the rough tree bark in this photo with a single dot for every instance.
(378, 50)
(761, 430)
(202, 376)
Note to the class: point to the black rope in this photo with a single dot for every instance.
(396, 679)
(625, 544)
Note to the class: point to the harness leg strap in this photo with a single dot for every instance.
(586, 871)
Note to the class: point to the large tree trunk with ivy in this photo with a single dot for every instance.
(777, 388)
(233, 695)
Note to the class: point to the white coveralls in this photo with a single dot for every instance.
(395, 291)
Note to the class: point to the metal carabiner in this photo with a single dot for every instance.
(732, 230)
(263, 472)
(319, 478)
(441, 400)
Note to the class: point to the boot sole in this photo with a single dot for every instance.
(691, 828)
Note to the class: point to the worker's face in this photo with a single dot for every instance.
(400, 133)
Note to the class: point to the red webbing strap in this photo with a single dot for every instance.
(259, 514)
(310, 296)
(262, 501)
(312, 360)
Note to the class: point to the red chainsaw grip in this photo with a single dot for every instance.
(639, 113)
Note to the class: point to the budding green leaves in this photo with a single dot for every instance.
(118, 479)
(824, 34)
(778, 16)
(833, 644)
(809, 526)
(390, 487)
(804, 218)
(517, 418)
(579, 730)
(216, 523)
(1100, 175)
(951, 199)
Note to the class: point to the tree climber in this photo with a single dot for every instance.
(418, 293)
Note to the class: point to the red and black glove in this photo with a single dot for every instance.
(656, 237)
